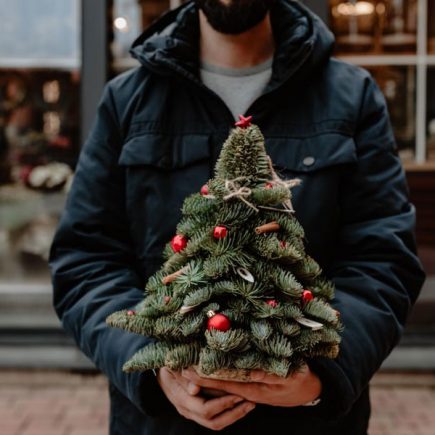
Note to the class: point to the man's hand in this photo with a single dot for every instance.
(214, 414)
(295, 390)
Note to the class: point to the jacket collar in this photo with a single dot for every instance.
(171, 45)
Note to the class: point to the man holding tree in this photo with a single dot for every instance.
(157, 135)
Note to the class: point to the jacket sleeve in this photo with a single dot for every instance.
(376, 271)
(93, 267)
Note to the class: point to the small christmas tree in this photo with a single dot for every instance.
(237, 290)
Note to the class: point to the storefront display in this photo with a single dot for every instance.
(39, 130)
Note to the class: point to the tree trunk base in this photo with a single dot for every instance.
(236, 375)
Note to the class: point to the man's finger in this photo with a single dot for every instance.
(267, 378)
(213, 407)
(189, 386)
(238, 388)
(229, 417)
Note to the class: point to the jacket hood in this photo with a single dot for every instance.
(171, 44)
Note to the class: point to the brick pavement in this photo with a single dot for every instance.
(62, 403)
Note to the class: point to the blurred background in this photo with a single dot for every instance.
(55, 57)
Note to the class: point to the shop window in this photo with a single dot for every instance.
(39, 130)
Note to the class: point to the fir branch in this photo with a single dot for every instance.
(190, 225)
(175, 262)
(270, 247)
(167, 327)
(243, 154)
(234, 213)
(277, 366)
(193, 324)
(155, 283)
(250, 360)
(288, 328)
(321, 311)
(197, 297)
(286, 282)
(157, 304)
(150, 357)
(227, 341)
(323, 288)
(196, 204)
(274, 196)
(132, 323)
(218, 265)
(192, 278)
(183, 356)
(198, 241)
(278, 346)
(211, 360)
(307, 269)
(307, 340)
(261, 329)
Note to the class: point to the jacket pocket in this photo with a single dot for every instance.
(322, 163)
(160, 171)
(308, 154)
(164, 151)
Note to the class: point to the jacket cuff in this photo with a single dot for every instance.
(337, 395)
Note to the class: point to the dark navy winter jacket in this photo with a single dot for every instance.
(155, 140)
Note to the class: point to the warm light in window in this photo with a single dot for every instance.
(51, 123)
(121, 24)
(358, 8)
(51, 91)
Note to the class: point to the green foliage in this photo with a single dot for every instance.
(211, 360)
(183, 356)
(270, 247)
(277, 346)
(197, 204)
(322, 311)
(244, 156)
(244, 194)
(261, 329)
(150, 357)
(250, 360)
(270, 197)
(227, 341)
(288, 327)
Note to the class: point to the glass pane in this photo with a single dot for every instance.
(39, 129)
(398, 86)
(431, 26)
(430, 116)
(374, 26)
(129, 19)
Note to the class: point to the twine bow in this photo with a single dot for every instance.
(236, 191)
(289, 184)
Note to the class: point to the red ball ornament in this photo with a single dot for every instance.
(244, 121)
(178, 243)
(269, 186)
(167, 299)
(283, 244)
(131, 313)
(218, 321)
(220, 232)
(272, 302)
(204, 190)
(307, 296)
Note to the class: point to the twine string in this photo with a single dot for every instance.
(237, 191)
(289, 184)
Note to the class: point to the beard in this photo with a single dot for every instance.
(236, 17)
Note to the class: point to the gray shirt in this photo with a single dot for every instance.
(238, 87)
